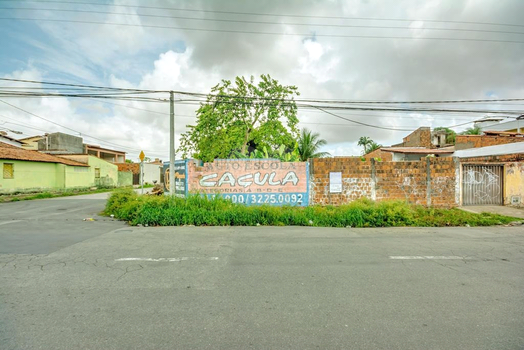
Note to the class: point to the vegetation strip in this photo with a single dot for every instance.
(200, 211)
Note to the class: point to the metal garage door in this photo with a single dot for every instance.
(482, 184)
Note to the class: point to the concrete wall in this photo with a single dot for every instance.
(514, 184)
(152, 173)
(125, 178)
(30, 176)
(77, 177)
(251, 181)
(61, 142)
(432, 181)
(108, 171)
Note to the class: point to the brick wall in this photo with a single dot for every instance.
(431, 181)
(130, 167)
(418, 138)
(380, 154)
(476, 141)
(519, 157)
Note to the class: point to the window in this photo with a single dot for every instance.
(9, 171)
(97, 173)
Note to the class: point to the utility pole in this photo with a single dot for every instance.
(172, 144)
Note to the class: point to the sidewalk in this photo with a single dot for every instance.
(496, 209)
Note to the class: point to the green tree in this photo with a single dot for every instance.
(373, 146)
(472, 131)
(242, 115)
(368, 144)
(308, 145)
(450, 134)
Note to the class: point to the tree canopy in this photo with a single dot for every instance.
(308, 145)
(368, 144)
(242, 116)
(472, 131)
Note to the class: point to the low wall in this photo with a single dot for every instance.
(251, 181)
(432, 181)
(125, 178)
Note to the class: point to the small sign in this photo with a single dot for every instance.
(142, 156)
(335, 182)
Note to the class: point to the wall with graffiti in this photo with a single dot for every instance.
(251, 181)
(431, 181)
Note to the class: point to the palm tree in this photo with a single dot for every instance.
(368, 144)
(308, 145)
(472, 131)
(373, 146)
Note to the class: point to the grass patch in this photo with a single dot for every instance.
(200, 211)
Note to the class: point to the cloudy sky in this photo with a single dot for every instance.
(355, 50)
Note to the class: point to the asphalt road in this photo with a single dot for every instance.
(104, 285)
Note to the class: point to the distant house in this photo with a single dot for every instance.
(106, 154)
(420, 143)
(417, 153)
(60, 143)
(501, 124)
(9, 140)
(26, 170)
(151, 171)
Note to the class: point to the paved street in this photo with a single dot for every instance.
(66, 283)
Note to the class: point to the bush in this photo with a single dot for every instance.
(200, 211)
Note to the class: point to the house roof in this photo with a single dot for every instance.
(509, 148)
(37, 137)
(16, 153)
(420, 150)
(503, 133)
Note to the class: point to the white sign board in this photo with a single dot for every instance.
(335, 182)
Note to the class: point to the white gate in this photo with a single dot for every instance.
(482, 184)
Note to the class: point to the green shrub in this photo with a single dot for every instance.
(200, 211)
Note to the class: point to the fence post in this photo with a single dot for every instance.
(428, 182)
(373, 180)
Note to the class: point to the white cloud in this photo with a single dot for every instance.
(321, 67)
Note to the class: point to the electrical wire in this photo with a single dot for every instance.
(203, 95)
(263, 22)
(76, 131)
(265, 33)
(266, 14)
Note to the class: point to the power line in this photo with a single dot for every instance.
(264, 33)
(262, 22)
(65, 127)
(337, 101)
(267, 14)
(383, 109)
(80, 85)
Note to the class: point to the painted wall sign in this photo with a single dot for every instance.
(335, 182)
(180, 177)
(252, 181)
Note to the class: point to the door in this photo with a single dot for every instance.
(482, 184)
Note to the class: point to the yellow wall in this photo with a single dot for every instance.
(108, 172)
(31, 176)
(78, 176)
(514, 182)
